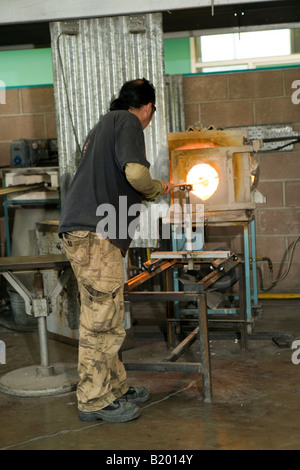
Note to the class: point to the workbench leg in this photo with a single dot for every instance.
(44, 369)
(7, 234)
(247, 272)
(204, 349)
(254, 263)
(242, 308)
(171, 337)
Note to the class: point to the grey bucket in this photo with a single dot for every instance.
(18, 309)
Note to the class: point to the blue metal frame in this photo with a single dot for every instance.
(251, 297)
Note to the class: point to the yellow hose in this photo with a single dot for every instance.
(279, 296)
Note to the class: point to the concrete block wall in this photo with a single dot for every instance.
(28, 113)
(254, 98)
(222, 100)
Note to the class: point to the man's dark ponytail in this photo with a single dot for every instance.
(118, 104)
(134, 94)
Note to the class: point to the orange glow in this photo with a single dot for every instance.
(191, 146)
(204, 179)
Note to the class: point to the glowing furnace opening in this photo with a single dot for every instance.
(205, 180)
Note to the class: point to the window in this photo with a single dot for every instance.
(245, 50)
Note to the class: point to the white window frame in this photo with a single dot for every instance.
(250, 63)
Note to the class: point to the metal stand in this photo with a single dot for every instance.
(44, 379)
(245, 220)
(221, 263)
(196, 293)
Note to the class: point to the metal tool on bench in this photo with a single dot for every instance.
(189, 254)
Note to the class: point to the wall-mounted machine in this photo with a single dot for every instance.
(38, 152)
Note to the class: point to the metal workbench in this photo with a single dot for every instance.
(196, 292)
(44, 379)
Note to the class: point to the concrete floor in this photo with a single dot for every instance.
(256, 394)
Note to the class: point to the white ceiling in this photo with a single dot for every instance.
(23, 11)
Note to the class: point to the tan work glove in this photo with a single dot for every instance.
(168, 187)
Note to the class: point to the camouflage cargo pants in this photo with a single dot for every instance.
(98, 267)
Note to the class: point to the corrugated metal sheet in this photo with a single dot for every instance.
(89, 70)
(92, 58)
(175, 103)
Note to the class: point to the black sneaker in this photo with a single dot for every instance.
(116, 412)
(135, 395)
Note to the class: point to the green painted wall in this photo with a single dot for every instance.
(33, 67)
(30, 67)
(177, 56)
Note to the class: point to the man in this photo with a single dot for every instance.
(113, 168)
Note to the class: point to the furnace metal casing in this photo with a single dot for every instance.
(229, 152)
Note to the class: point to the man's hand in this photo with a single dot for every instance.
(168, 187)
